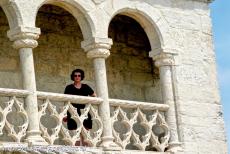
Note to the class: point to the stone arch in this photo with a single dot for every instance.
(79, 10)
(9, 57)
(59, 51)
(131, 72)
(12, 13)
(148, 17)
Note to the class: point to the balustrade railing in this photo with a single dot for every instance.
(53, 108)
(136, 125)
(139, 125)
(13, 117)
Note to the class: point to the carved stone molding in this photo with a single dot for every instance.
(97, 47)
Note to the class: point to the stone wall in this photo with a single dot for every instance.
(198, 103)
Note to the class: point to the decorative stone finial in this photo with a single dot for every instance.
(24, 37)
(97, 47)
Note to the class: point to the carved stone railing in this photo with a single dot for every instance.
(53, 108)
(140, 125)
(136, 125)
(13, 117)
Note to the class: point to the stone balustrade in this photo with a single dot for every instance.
(140, 125)
(55, 106)
(11, 105)
(135, 125)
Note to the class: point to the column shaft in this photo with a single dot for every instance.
(165, 61)
(98, 50)
(168, 98)
(104, 108)
(31, 105)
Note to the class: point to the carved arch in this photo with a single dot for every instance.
(12, 13)
(150, 18)
(79, 9)
(21, 14)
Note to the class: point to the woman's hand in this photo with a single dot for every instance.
(65, 119)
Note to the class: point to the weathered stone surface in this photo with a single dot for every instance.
(182, 27)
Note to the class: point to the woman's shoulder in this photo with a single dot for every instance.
(84, 85)
(70, 86)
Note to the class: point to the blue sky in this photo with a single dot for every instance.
(220, 12)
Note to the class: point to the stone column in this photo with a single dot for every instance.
(98, 50)
(25, 40)
(165, 62)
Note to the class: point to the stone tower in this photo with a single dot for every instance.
(151, 62)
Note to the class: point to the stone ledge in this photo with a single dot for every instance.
(205, 1)
(17, 148)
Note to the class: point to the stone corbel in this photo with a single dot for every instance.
(97, 47)
(24, 37)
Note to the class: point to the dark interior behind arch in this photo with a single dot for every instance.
(132, 74)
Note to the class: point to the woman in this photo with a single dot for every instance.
(78, 88)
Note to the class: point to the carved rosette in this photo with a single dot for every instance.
(164, 59)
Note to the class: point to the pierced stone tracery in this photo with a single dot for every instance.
(147, 139)
(60, 132)
(16, 126)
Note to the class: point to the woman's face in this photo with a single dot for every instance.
(77, 77)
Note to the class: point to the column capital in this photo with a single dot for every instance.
(97, 47)
(164, 59)
(24, 37)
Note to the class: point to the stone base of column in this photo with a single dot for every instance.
(34, 138)
(175, 147)
(108, 144)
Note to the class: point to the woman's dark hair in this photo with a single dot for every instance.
(79, 71)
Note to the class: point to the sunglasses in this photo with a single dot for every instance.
(77, 75)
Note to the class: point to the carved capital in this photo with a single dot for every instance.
(97, 47)
(164, 59)
(98, 53)
(25, 43)
(24, 37)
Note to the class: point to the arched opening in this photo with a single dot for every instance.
(131, 73)
(59, 50)
(58, 53)
(10, 76)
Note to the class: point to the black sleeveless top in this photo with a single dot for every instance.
(85, 90)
